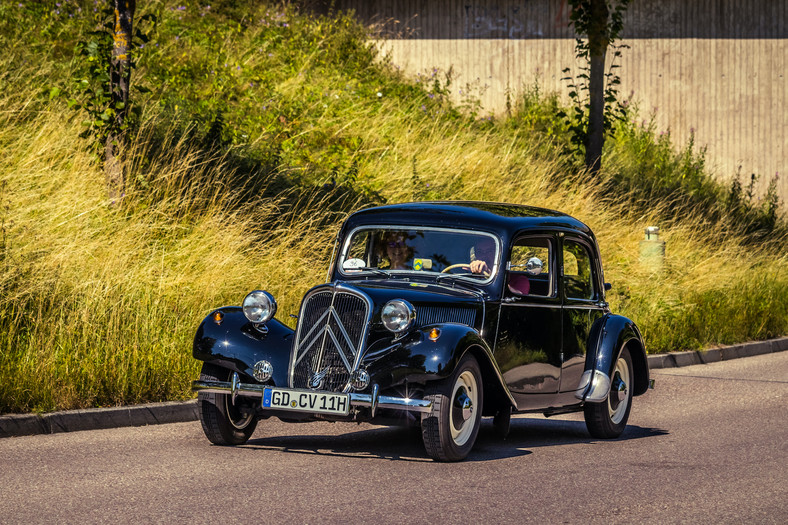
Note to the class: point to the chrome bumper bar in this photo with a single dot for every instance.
(374, 401)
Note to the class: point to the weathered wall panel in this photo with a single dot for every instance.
(715, 68)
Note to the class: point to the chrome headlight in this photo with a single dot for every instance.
(398, 315)
(259, 306)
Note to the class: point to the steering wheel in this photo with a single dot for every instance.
(461, 265)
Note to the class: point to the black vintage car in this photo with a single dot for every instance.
(434, 314)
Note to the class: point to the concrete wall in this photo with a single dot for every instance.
(713, 67)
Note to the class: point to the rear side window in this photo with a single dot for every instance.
(521, 281)
(578, 277)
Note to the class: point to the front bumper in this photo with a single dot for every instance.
(373, 401)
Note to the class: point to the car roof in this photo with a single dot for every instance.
(502, 218)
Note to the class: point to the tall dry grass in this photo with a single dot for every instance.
(100, 302)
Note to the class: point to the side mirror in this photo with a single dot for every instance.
(534, 266)
(608, 287)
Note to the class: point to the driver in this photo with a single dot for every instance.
(483, 256)
(397, 250)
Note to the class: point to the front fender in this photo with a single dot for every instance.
(237, 345)
(416, 359)
(609, 336)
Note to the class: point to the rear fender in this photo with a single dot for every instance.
(416, 359)
(609, 336)
(237, 345)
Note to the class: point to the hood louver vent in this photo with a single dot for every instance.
(427, 315)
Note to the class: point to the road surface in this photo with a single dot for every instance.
(709, 445)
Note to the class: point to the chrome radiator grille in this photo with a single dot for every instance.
(331, 331)
(427, 315)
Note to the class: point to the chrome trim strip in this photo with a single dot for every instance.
(234, 382)
(396, 403)
(582, 307)
(534, 305)
(342, 330)
(333, 254)
(362, 345)
(374, 401)
(334, 340)
(226, 387)
(315, 326)
(565, 307)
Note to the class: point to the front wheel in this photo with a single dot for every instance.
(223, 422)
(608, 419)
(449, 430)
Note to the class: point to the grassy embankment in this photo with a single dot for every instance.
(262, 130)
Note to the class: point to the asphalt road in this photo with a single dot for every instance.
(707, 446)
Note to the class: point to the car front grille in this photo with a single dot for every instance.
(331, 330)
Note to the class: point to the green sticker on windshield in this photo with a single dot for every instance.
(422, 264)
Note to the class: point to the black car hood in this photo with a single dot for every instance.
(434, 303)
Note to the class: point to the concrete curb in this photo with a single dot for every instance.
(713, 355)
(98, 418)
(179, 411)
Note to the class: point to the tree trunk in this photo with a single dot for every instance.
(596, 114)
(120, 76)
(598, 40)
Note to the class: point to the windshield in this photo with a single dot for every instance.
(393, 250)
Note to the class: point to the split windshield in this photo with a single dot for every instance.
(392, 250)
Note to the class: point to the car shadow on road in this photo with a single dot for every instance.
(405, 444)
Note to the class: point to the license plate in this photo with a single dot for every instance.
(306, 401)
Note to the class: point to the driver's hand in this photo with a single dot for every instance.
(479, 266)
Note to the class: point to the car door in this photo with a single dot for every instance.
(528, 345)
(582, 307)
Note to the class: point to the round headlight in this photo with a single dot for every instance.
(259, 306)
(398, 315)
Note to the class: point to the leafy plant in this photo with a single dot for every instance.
(94, 91)
(593, 92)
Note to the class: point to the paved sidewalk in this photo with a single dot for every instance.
(178, 411)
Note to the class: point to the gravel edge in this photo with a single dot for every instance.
(12, 425)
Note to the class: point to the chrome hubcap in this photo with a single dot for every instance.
(463, 401)
(463, 407)
(619, 392)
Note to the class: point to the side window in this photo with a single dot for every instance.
(534, 283)
(578, 279)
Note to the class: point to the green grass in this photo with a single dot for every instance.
(240, 175)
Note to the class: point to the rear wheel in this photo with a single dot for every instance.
(449, 430)
(223, 422)
(608, 419)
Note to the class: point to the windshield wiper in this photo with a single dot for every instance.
(369, 269)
